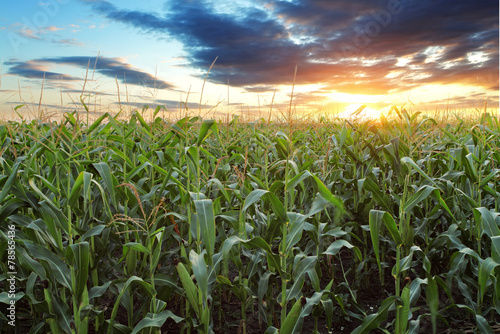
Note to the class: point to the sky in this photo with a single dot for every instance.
(248, 56)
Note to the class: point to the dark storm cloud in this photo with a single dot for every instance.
(328, 40)
(109, 67)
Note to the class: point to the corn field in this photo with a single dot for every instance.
(199, 226)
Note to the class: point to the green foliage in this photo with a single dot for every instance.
(129, 225)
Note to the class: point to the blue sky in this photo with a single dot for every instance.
(432, 54)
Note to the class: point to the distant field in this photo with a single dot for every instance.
(202, 226)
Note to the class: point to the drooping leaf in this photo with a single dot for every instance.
(374, 320)
(156, 321)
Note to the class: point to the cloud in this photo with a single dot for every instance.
(109, 67)
(170, 105)
(87, 92)
(43, 34)
(68, 41)
(35, 69)
(33, 32)
(29, 33)
(54, 28)
(259, 89)
(260, 45)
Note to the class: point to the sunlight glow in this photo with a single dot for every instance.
(477, 57)
(355, 98)
(352, 111)
(403, 61)
(433, 53)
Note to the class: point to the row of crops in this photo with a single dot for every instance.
(195, 226)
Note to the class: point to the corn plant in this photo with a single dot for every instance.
(139, 225)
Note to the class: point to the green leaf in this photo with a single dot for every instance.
(205, 126)
(292, 317)
(418, 197)
(27, 262)
(97, 122)
(81, 254)
(373, 321)
(206, 222)
(146, 127)
(327, 194)
(108, 178)
(190, 288)
(376, 219)
(221, 187)
(297, 179)
(495, 248)
(136, 246)
(485, 269)
(410, 162)
(414, 327)
(257, 242)
(75, 190)
(47, 183)
(335, 247)
(156, 320)
(5, 297)
(96, 230)
(253, 197)
(60, 270)
(404, 310)
(380, 198)
(42, 195)
(483, 325)
(318, 205)
(98, 291)
(133, 279)
(224, 281)
(305, 266)
(200, 273)
(296, 229)
(325, 298)
(63, 313)
(432, 298)
(486, 221)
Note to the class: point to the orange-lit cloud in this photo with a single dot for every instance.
(351, 46)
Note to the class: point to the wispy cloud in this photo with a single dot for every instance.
(54, 28)
(47, 34)
(30, 33)
(68, 42)
(334, 43)
(170, 105)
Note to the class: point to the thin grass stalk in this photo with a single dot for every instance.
(284, 254)
(190, 237)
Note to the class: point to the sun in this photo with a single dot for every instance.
(360, 111)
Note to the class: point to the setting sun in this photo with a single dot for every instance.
(360, 111)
